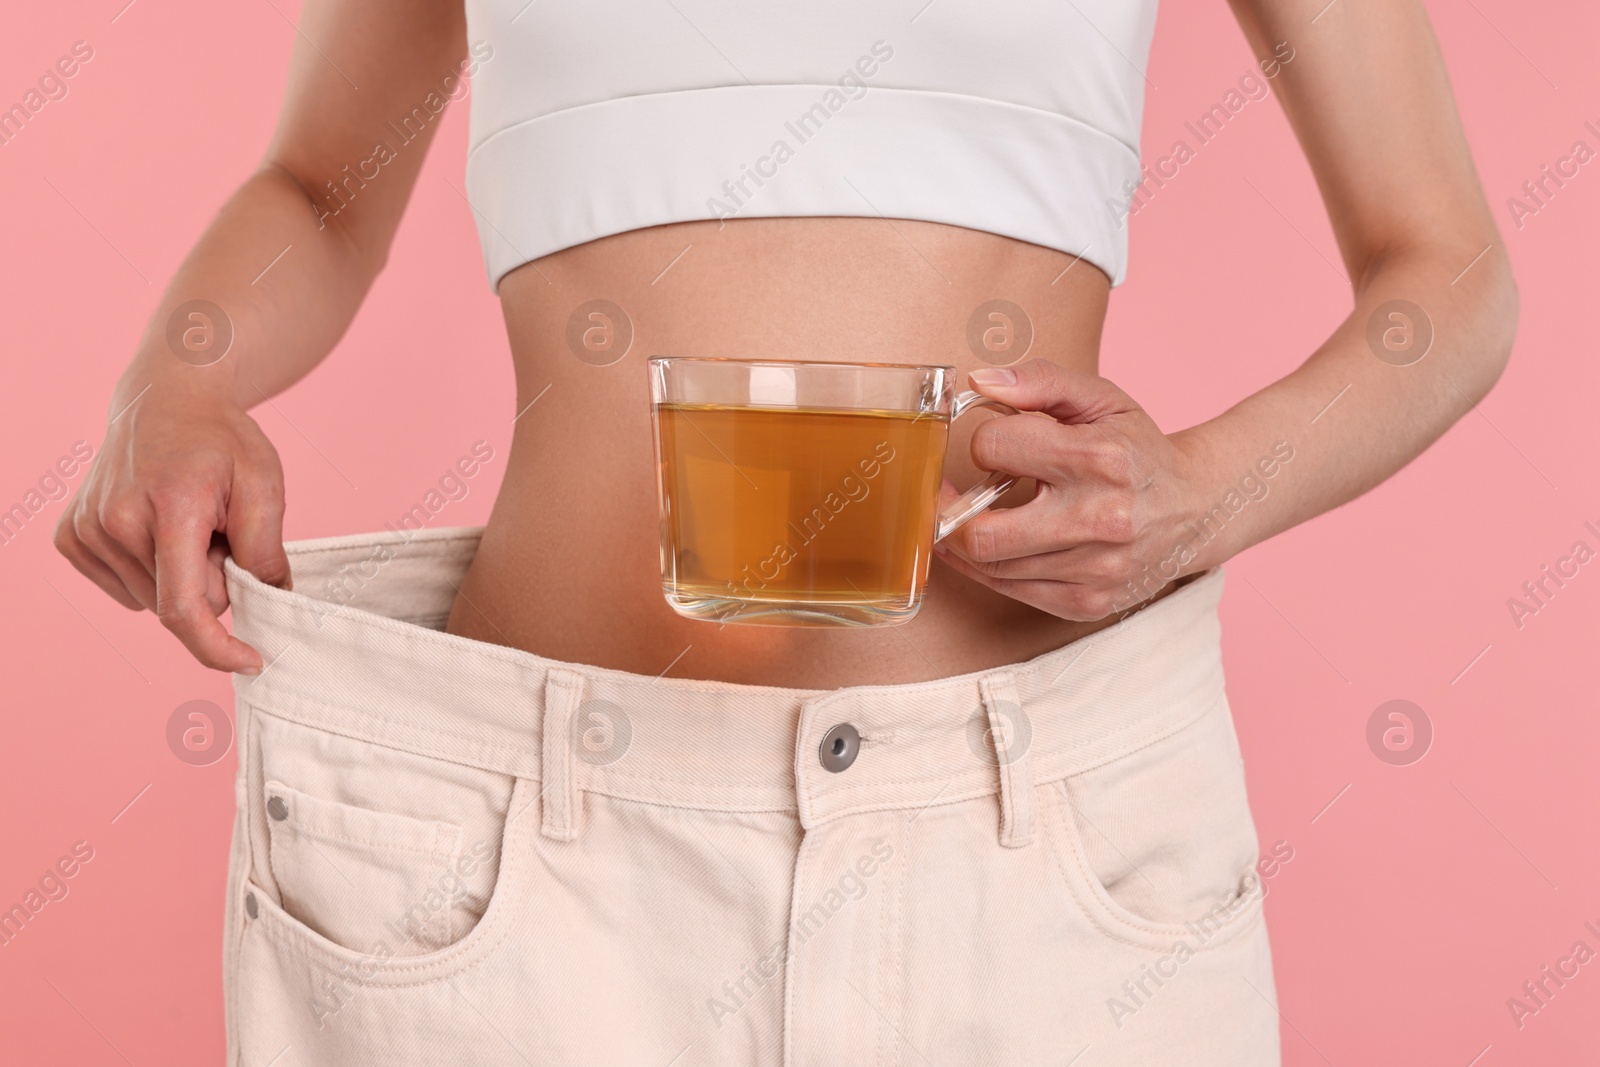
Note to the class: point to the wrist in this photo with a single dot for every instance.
(1227, 488)
(1192, 540)
(157, 370)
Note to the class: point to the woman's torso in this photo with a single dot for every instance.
(569, 565)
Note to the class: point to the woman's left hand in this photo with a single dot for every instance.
(1110, 524)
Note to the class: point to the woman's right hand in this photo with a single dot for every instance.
(185, 477)
(182, 481)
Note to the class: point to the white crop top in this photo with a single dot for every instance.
(1016, 117)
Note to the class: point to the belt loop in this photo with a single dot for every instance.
(1012, 736)
(559, 791)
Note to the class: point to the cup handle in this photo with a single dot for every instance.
(985, 492)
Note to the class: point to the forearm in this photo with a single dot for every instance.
(1351, 418)
(287, 283)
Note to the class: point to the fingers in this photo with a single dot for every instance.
(1106, 476)
(1054, 520)
(1065, 600)
(1054, 452)
(70, 546)
(1088, 564)
(136, 576)
(165, 501)
(183, 577)
(1065, 395)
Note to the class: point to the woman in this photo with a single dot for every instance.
(498, 804)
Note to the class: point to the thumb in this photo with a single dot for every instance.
(1065, 395)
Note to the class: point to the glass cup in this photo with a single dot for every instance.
(805, 494)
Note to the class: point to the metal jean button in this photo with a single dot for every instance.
(839, 747)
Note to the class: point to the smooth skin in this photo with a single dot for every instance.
(185, 475)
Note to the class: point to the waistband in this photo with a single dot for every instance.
(358, 649)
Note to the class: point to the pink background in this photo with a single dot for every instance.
(1415, 905)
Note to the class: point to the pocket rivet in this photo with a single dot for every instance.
(250, 907)
(277, 808)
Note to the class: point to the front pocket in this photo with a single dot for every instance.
(364, 844)
(1158, 845)
(360, 877)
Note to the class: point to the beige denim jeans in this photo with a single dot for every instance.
(450, 852)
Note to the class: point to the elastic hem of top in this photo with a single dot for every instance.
(576, 175)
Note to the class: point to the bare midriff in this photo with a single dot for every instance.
(569, 566)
